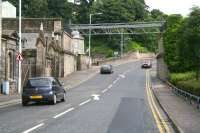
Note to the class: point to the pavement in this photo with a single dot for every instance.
(108, 103)
(185, 116)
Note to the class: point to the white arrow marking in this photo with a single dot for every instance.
(96, 97)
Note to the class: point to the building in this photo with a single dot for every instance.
(8, 10)
(48, 50)
(8, 70)
(8, 49)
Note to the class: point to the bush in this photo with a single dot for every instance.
(192, 86)
(135, 46)
(176, 77)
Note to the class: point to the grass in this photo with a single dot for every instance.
(187, 82)
(192, 86)
(175, 77)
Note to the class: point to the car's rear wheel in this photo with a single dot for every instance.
(64, 97)
(24, 102)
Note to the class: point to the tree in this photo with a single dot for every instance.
(45, 8)
(189, 45)
(158, 15)
(119, 11)
(173, 23)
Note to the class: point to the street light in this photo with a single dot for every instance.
(90, 31)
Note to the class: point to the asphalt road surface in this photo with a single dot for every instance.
(109, 103)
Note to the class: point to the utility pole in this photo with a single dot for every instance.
(90, 35)
(122, 44)
(0, 36)
(90, 32)
(20, 49)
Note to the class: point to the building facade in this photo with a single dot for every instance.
(47, 49)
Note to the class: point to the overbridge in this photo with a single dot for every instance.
(155, 27)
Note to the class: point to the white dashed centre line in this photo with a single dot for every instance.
(58, 115)
(33, 128)
(87, 101)
(115, 81)
(104, 90)
(110, 86)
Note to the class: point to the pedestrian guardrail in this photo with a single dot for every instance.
(187, 96)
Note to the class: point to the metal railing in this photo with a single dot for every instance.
(186, 95)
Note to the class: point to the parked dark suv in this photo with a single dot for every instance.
(43, 89)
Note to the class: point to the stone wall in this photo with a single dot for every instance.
(83, 62)
(32, 25)
(70, 64)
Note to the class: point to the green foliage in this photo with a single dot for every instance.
(186, 81)
(174, 22)
(189, 46)
(158, 15)
(135, 46)
(118, 11)
(192, 86)
(45, 8)
(176, 77)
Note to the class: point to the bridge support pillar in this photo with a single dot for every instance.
(162, 70)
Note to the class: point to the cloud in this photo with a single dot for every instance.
(173, 6)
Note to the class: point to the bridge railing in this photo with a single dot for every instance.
(186, 95)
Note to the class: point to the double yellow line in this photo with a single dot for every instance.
(160, 122)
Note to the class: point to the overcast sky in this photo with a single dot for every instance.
(173, 6)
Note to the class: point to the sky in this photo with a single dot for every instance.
(173, 6)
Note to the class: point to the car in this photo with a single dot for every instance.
(106, 69)
(146, 64)
(47, 89)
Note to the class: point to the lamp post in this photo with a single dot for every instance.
(90, 32)
(20, 49)
(0, 35)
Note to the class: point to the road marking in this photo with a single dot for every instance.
(122, 76)
(58, 115)
(115, 81)
(156, 113)
(87, 101)
(33, 128)
(110, 86)
(103, 91)
(156, 108)
(96, 97)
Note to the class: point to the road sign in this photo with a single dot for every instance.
(19, 57)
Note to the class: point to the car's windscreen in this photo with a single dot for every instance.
(38, 83)
(105, 66)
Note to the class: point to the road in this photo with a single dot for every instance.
(115, 103)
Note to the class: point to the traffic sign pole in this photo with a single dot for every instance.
(20, 49)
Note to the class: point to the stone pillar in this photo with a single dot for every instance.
(40, 59)
(162, 70)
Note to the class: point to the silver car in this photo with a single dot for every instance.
(106, 69)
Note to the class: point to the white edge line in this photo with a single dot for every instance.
(87, 101)
(58, 115)
(33, 128)
(110, 86)
(104, 90)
